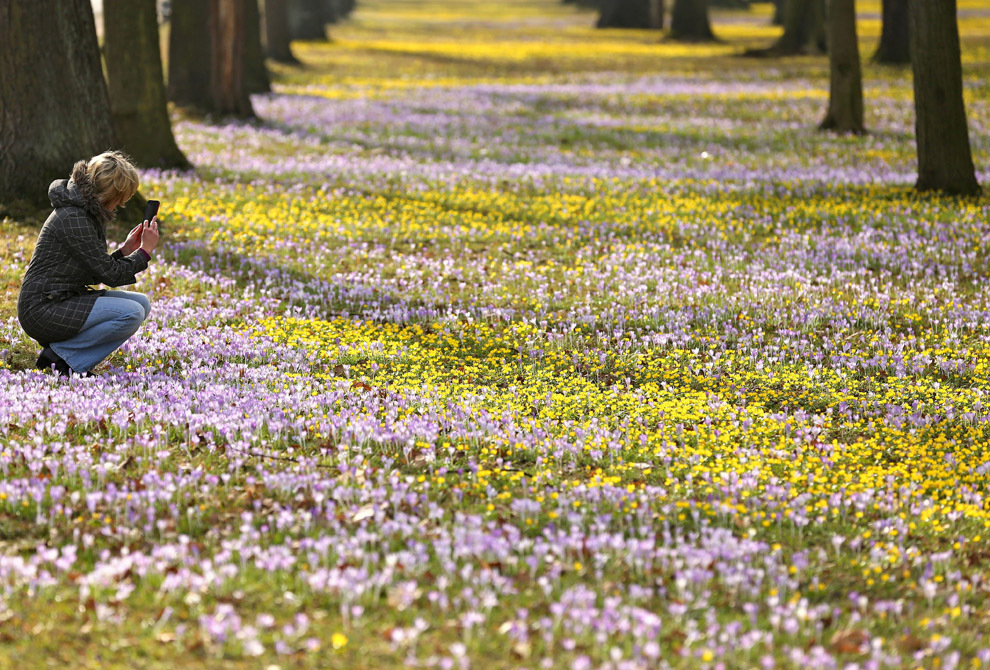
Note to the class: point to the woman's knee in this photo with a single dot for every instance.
(145, 303)
(142, 300)
(132, 316)
(139, 298)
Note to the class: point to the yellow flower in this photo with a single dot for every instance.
(338, 640)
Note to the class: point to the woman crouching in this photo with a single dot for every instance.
(77, 325)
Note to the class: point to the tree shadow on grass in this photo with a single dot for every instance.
(303, 291)
(299, 293)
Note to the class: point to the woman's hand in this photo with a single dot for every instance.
(133, 241)
(149, 235)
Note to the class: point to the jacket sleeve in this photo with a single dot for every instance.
(81, 238)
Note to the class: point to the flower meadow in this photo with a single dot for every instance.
(500, 342)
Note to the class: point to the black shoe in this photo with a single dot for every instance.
(48, 359)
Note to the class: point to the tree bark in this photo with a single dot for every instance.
(631, 14)
(307, 20)
(845, 99)
(689, 21)
(804, 28)
(330, 13)
(54, 108)
(944, 159)
(189, 54)
(206, 56)
(227, 83)
(895, 40)
(277, 40)
(656, 14)
(137, 87)
(255, 71)
(778, 13)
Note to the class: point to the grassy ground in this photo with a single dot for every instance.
(503, 342)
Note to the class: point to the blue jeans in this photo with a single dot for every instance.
(115, 317)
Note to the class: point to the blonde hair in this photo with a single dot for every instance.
(115, 179)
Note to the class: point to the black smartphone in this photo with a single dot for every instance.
(151, 209)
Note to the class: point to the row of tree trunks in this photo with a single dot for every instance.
(805, 31)
(137, 85)
(688, 20)
(845, 99)
(55, 107)
(945, 161)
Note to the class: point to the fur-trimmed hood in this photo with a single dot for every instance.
(78, 191)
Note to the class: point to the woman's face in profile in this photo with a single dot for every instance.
(118, 203)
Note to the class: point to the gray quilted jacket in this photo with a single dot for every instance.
(71, 253)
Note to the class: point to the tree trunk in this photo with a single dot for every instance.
(255, 71)
(330, 14)
(54, 108)
(137, 88)
(345, 7)
(631, 14)
(227, 81)
(206, 56)
(307, 20)
(845, 99)
(189, 54)
(804, 28)
(778, 13)
(689, 21)
(895, 41)
(277, 40)
(944, 159)
(656, 14)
